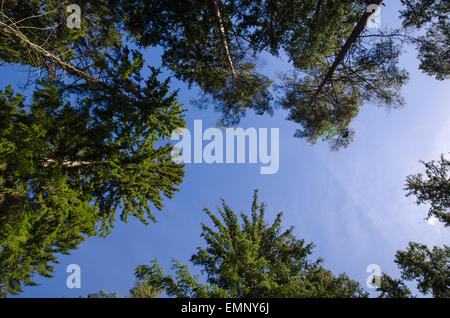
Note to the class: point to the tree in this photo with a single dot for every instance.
(93, 139)
(103, 294)
(392, 288)
(140, 290)
(435, 189)
(429, 268)
(362, 67)
(433, 17)
(199, 49)
(325, 96)
(251, 259)
(35, 33)
(215, 44)
(143, 290)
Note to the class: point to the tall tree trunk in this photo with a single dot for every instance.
(359, 28)
(223, 38)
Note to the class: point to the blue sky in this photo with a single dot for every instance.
(351, 204)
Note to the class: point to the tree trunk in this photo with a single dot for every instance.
(224, 39)
(359, 28)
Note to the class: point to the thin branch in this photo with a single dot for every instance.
(8, 30)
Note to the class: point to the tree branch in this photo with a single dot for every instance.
(9, 30)
(68, 163)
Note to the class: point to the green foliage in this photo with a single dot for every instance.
(43, 23)
(430, 268)
(182, 285)
(252, 259)
(140, 290)
(393, 288)
(41, 213)
(304, 30)
(222, 59)
(434, 189)
(369, 74)
(63, 170)
(188, 32)
(143, 290)
(103, 294)
(92, 140)
(3, 291)
(433, 17)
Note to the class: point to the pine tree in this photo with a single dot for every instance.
(140, 290)
(433, 17)
(91, 141)
(360, 67)
(392, 288)
(200, 50)
(143, 290)
(103, 294)
(251, 259)
(430, 269)
(435, 189)
(36, 33)
(339, 65)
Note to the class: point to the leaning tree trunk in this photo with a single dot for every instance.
(223, 38)
(359, 28)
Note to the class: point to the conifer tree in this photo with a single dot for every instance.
(251, 259)
(143, 290)
(140, 290)
(433, 17)
(338, 64)
(430, 269)
(392, 288)
(103, 294)
(92, 140)
(435, 189)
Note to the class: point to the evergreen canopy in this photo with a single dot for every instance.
(435, 189)
(250, 259)
(338, 63)
(91, 141)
